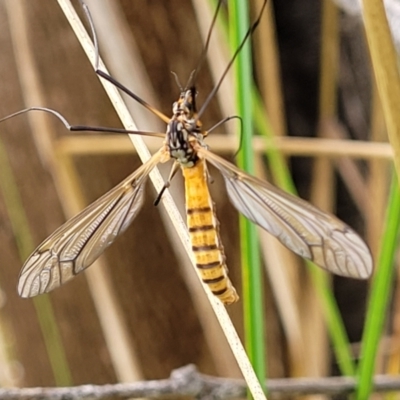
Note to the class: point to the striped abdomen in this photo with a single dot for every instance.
(204, 235)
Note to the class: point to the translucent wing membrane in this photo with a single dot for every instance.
(80, 241)
(301, 227)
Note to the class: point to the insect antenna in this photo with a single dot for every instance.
(109, 78)
(177, 81)
(235, 54)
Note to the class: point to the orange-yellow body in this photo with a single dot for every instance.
(204, 234)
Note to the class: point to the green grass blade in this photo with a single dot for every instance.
(380, 294)
(251, 265)
(43, 307)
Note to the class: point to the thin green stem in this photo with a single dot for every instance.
(381, 289)
(251, 265)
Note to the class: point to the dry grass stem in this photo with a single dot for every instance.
(173, 212)
(290, 146)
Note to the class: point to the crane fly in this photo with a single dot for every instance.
(301, 227)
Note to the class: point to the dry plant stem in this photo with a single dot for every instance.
(348, 169)
(187, 382)
(269, 73)
(276, 256)
(322, 187)
(285, 279)
(174, 214)
(309, 147)
(378, 180)
(122, 57)
(384, 61)
(282, 286)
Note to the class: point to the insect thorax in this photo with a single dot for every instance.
(184, 129)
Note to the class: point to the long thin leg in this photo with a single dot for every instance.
(223, 121)
(75, 128)
(109, 78)
(167, 184)
(218, 85)
(193, 76)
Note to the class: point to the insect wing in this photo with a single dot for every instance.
(303, 228)
(80, 241)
